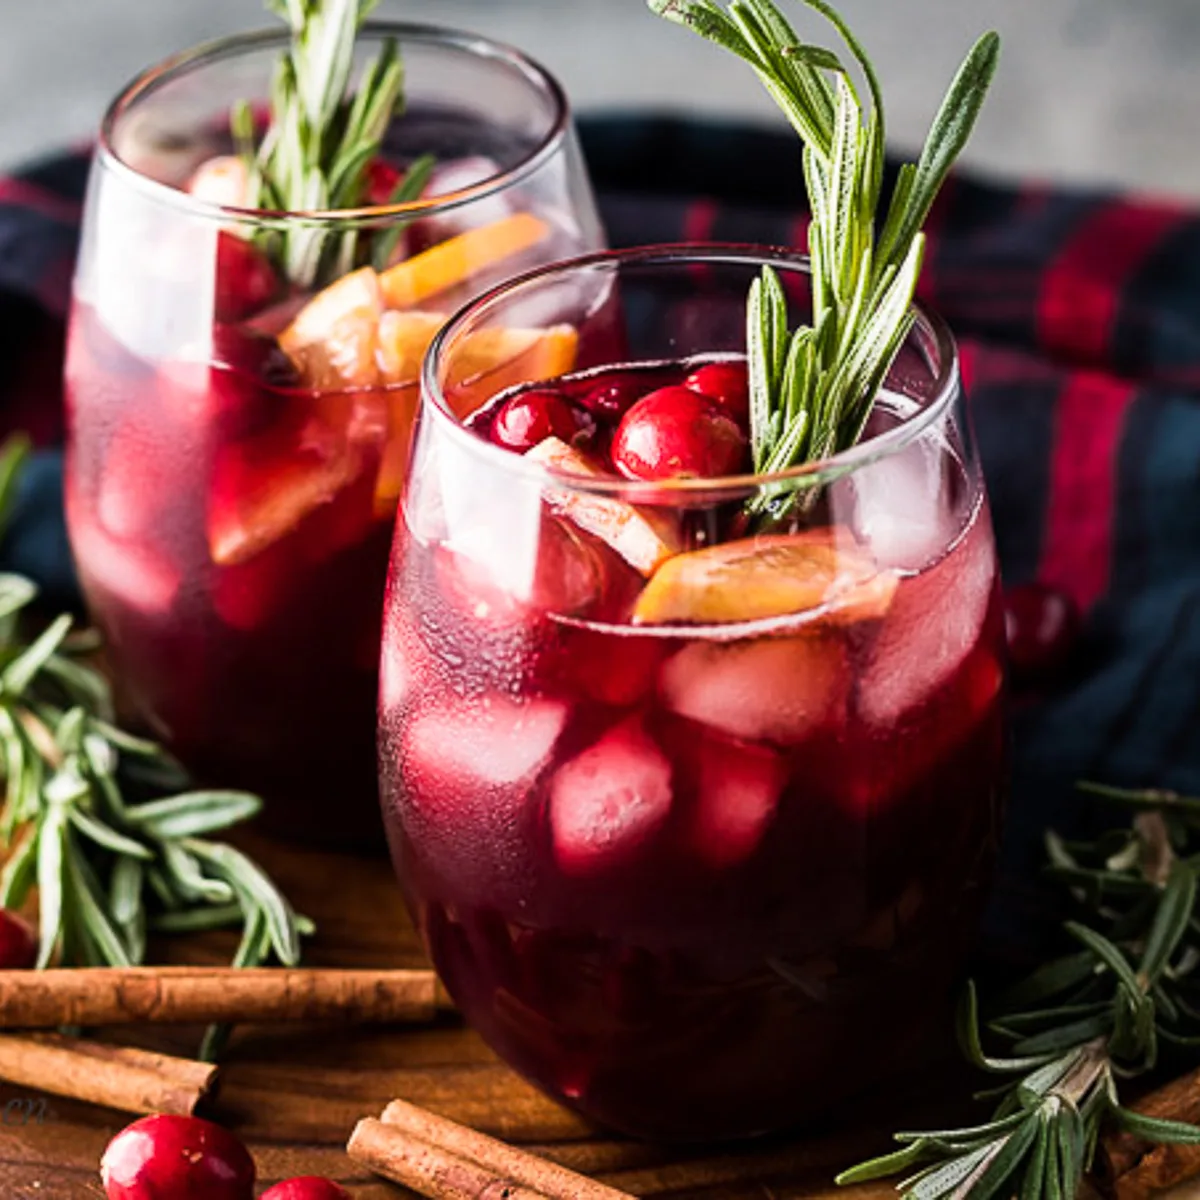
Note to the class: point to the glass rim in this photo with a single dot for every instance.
(216, 50)
(944, 388)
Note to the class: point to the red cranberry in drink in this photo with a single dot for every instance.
(246, 281)
(677, 432)
(612, 400)
(1042, 626)
(532, 417)
(184, 1158)
(381, 181)
(306, 1187)
(728, 384)
(18, 946)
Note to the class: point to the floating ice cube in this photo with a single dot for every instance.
(608, 801)
(772, 689)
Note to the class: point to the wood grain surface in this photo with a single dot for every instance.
(295, 1093)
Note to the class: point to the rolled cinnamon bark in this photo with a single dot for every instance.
(194, 995)
(135, 1081)
(431, 1170)
(506, 1161)
(1137, 1169)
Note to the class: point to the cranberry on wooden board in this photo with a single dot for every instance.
(246, 281)
(306, 1187)
(676, 432)
(728, 383)
(532, 417)
(18, 945)
(176, 1158)
(1042, 626)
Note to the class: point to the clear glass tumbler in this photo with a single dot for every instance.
(238, 440)
(695, 815)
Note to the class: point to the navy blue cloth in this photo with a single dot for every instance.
(1078, 315)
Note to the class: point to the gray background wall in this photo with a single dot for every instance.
(1103, 91)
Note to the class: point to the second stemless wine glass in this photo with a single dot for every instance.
(237, 442)
(694, 799)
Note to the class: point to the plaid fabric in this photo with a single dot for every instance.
(1079, 319)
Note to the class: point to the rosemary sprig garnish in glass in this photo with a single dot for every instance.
(1079, 1024)
(812, 389)
(315, 153)
(101, 822)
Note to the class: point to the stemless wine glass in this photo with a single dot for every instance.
(237, 444)
(692, 786)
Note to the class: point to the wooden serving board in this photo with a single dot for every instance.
(295, 1093)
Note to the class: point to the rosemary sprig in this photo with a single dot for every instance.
(321, 139)
(101, 822)
(812, 389)
(1082, 1022)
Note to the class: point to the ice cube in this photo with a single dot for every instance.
(127, 572)
(935, 621)
(455, 176)
(494, 743)
(899, 505)
(737, 788)
(608, 801)
(139, 480)
(777, 690)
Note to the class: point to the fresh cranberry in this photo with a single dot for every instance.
(306, 1187)
(246, 281)
(728, 384)
(611, 401)
(381, 181)
(18, 946)
(184, 1158)
(677, 432)
(1042, 626)
(531, 417)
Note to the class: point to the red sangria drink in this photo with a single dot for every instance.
(691, 774)
(253, 299)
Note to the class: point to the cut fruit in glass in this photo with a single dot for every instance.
(502, 358)
(608, 801)
(778, 690)
(223, 180)
(759, 578)
(642, 539)
(333, 341)
(443, 267)
(403, 339)
(264, 487)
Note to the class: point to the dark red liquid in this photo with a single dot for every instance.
(702, 882)
(231, 549)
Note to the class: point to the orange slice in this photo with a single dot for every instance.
(457, 259)
(758, 578)
(334, 338)
(492, 360)
(641, 539)
(403, 340)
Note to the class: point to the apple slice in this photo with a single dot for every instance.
(640, 538)
(333, 341)
(772, 576)
(264, 487)
(453, 262)
(222, 180)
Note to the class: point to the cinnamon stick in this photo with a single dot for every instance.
(93, 996)
(1138, 1169)
(447, 1161)
(517, 1165)
(427, 1169)
(121, 1077)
